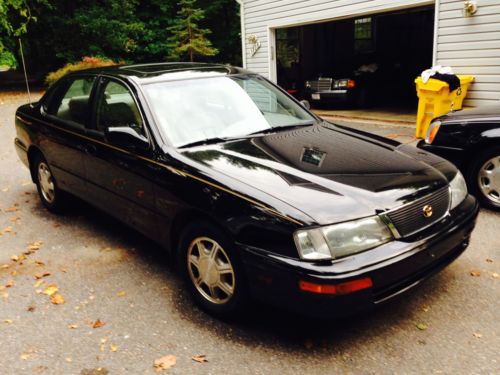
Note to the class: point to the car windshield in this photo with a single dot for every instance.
(191, 111)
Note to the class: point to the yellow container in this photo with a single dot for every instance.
(435, 99)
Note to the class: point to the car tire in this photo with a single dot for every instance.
(50, 195)
(212, 269)
(483, 178)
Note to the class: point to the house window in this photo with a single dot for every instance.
(363, 35)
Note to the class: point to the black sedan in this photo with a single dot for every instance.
(471, 140)
(249, 191)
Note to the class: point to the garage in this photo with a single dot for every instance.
(360, 62)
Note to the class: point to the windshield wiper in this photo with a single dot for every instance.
(207, 141)
(280, 128)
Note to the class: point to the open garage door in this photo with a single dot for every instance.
(361, 62)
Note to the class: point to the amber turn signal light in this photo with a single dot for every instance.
(337, 289)
(351, 84)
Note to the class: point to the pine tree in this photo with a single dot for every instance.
(188, 38)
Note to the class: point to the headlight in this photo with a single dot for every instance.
(458, 189)
(432, 131)
(308, 84)
(339, 240)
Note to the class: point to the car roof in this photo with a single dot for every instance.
(156, 72)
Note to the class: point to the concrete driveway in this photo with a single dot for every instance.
(124, 307)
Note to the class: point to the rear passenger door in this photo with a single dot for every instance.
(119, 179)
(67, 114)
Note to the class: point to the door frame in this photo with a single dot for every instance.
(335, 15)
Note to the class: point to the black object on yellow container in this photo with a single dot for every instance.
(435, 99)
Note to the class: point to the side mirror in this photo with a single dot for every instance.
(126, 137)
(305, 104)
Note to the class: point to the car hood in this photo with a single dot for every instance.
(486, 113)
(328, 172)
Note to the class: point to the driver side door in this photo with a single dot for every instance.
(119, 179)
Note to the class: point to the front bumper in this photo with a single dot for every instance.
(340, 95)
(394, 268)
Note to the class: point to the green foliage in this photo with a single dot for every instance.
(7, 59)
(188, 38)
(135, 31)
(15, 15)
(86, 63)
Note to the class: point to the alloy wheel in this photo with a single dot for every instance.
(210, 270)
(46, 182)
(489, 179)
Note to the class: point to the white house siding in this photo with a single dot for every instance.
(471, 45)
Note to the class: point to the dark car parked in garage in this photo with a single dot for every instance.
(249, 191)
(355, 89)
(471, 140)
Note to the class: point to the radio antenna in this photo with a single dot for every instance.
(24, 68)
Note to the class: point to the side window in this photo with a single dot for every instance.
(74, 104)
(117, 108)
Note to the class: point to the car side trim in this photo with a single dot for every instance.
(170, 168)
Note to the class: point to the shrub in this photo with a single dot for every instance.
(86, 63)
(7, 59)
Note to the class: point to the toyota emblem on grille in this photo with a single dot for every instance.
(427, 210)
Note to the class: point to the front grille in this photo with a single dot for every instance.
(322, 84)
(410, 219)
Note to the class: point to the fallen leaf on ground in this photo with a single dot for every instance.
(164, 363)
(69, 360)
(121, 294)
(25, 356)
(113, 348)
(14, 273)
(200, 358)
(7, 321)
(478, 335)
(475, 273)
(494, 275)
(35, 246)
(421, 326)
(41, 275)
(489, 260)
(51, 289)
(31, 308)
(7, 230)
(98, 324)
(12, 209)
(9, 284)
(39, 263)
(57, 299)
(14, 258)
(73, 326)
(38, 283)
(4, 266)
